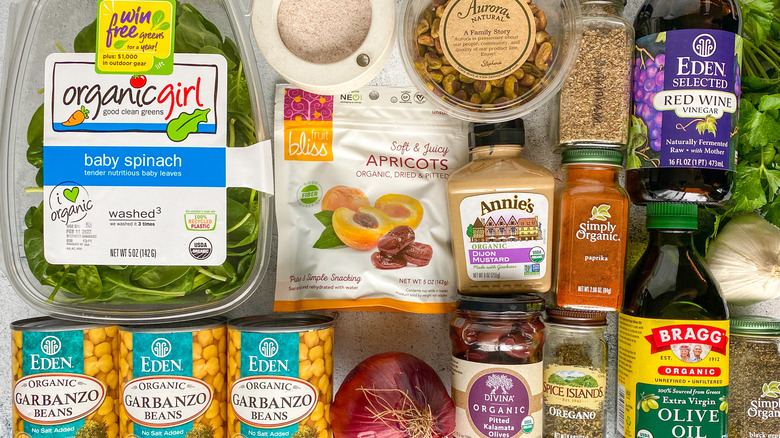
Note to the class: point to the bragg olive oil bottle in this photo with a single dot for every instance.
(673, 362)
(686, 88)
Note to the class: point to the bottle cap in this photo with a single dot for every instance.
(755, 325)
(596, 156)
(583, 318)
(672, 216)
(526, 303)
(511, 132)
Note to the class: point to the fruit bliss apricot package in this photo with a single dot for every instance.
(361, 200)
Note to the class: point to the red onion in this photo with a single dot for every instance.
(392, 395)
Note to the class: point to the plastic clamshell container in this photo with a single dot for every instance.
(493, 41)
(164, 290)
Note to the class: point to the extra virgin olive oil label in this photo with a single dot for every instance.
(487, 40)
(139, 157)
(135, 37)
(673, 378)
(58, 387)
(280, 383)
(686, 99)
(497, 400)
(505, 236)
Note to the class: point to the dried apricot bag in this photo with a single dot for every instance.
(361, 200)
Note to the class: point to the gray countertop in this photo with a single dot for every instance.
(358, 334)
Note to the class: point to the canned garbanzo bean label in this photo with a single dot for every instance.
(280, 374)
(173, 380)
(64, 379)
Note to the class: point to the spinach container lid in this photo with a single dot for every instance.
(135, 159)
(755, 325)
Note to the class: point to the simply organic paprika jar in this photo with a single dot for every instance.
(137, 174)
(497, 345)
(592, 230)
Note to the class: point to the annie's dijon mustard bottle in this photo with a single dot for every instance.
(501, 212)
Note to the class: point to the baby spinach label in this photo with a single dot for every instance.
(135, 37)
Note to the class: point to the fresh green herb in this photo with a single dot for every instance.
(757, 179)
(87, 283)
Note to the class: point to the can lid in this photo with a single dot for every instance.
(672, 216)
(177, 327)
(511, 132)
(48, 324)
(282, 323)
(596, 156)
(584, 318)
(755, 325)
(527, 303)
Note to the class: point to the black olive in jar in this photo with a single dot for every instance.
(497, 349)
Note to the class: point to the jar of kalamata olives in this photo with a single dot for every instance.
(497, 370)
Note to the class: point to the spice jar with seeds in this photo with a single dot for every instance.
(595, 101)
(575, 373)
(497, 345)
(753, 407)
(491, 62)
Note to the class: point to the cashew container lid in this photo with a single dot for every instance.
(489, 61)
(137, 170)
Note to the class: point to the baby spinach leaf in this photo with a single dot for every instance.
(181, 127)
(33, 249)
(156, 277)
(88, 281)
(86, 40)
(35, 139)
(191, 34)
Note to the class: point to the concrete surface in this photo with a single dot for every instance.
(358, 334)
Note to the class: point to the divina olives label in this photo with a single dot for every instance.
(54, 397)
(686, 90)
(673, 378)
(497, 400)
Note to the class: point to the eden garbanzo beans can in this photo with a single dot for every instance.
(173, 379)
(64, 379)
(280, 375)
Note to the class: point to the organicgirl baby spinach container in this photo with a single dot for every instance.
(136, 172)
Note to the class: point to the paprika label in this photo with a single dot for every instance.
(673, 378)
(592, 251)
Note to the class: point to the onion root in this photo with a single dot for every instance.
(409, 418)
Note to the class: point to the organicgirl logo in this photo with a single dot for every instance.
(94, 97)
(704, 45)
(268, 347)
(51, 345)
(161, 347)
(69, 202)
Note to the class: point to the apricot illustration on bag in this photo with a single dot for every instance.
(350, 220)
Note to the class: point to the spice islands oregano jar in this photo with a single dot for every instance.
(686, 90)
(575, 373)
(673, 346)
